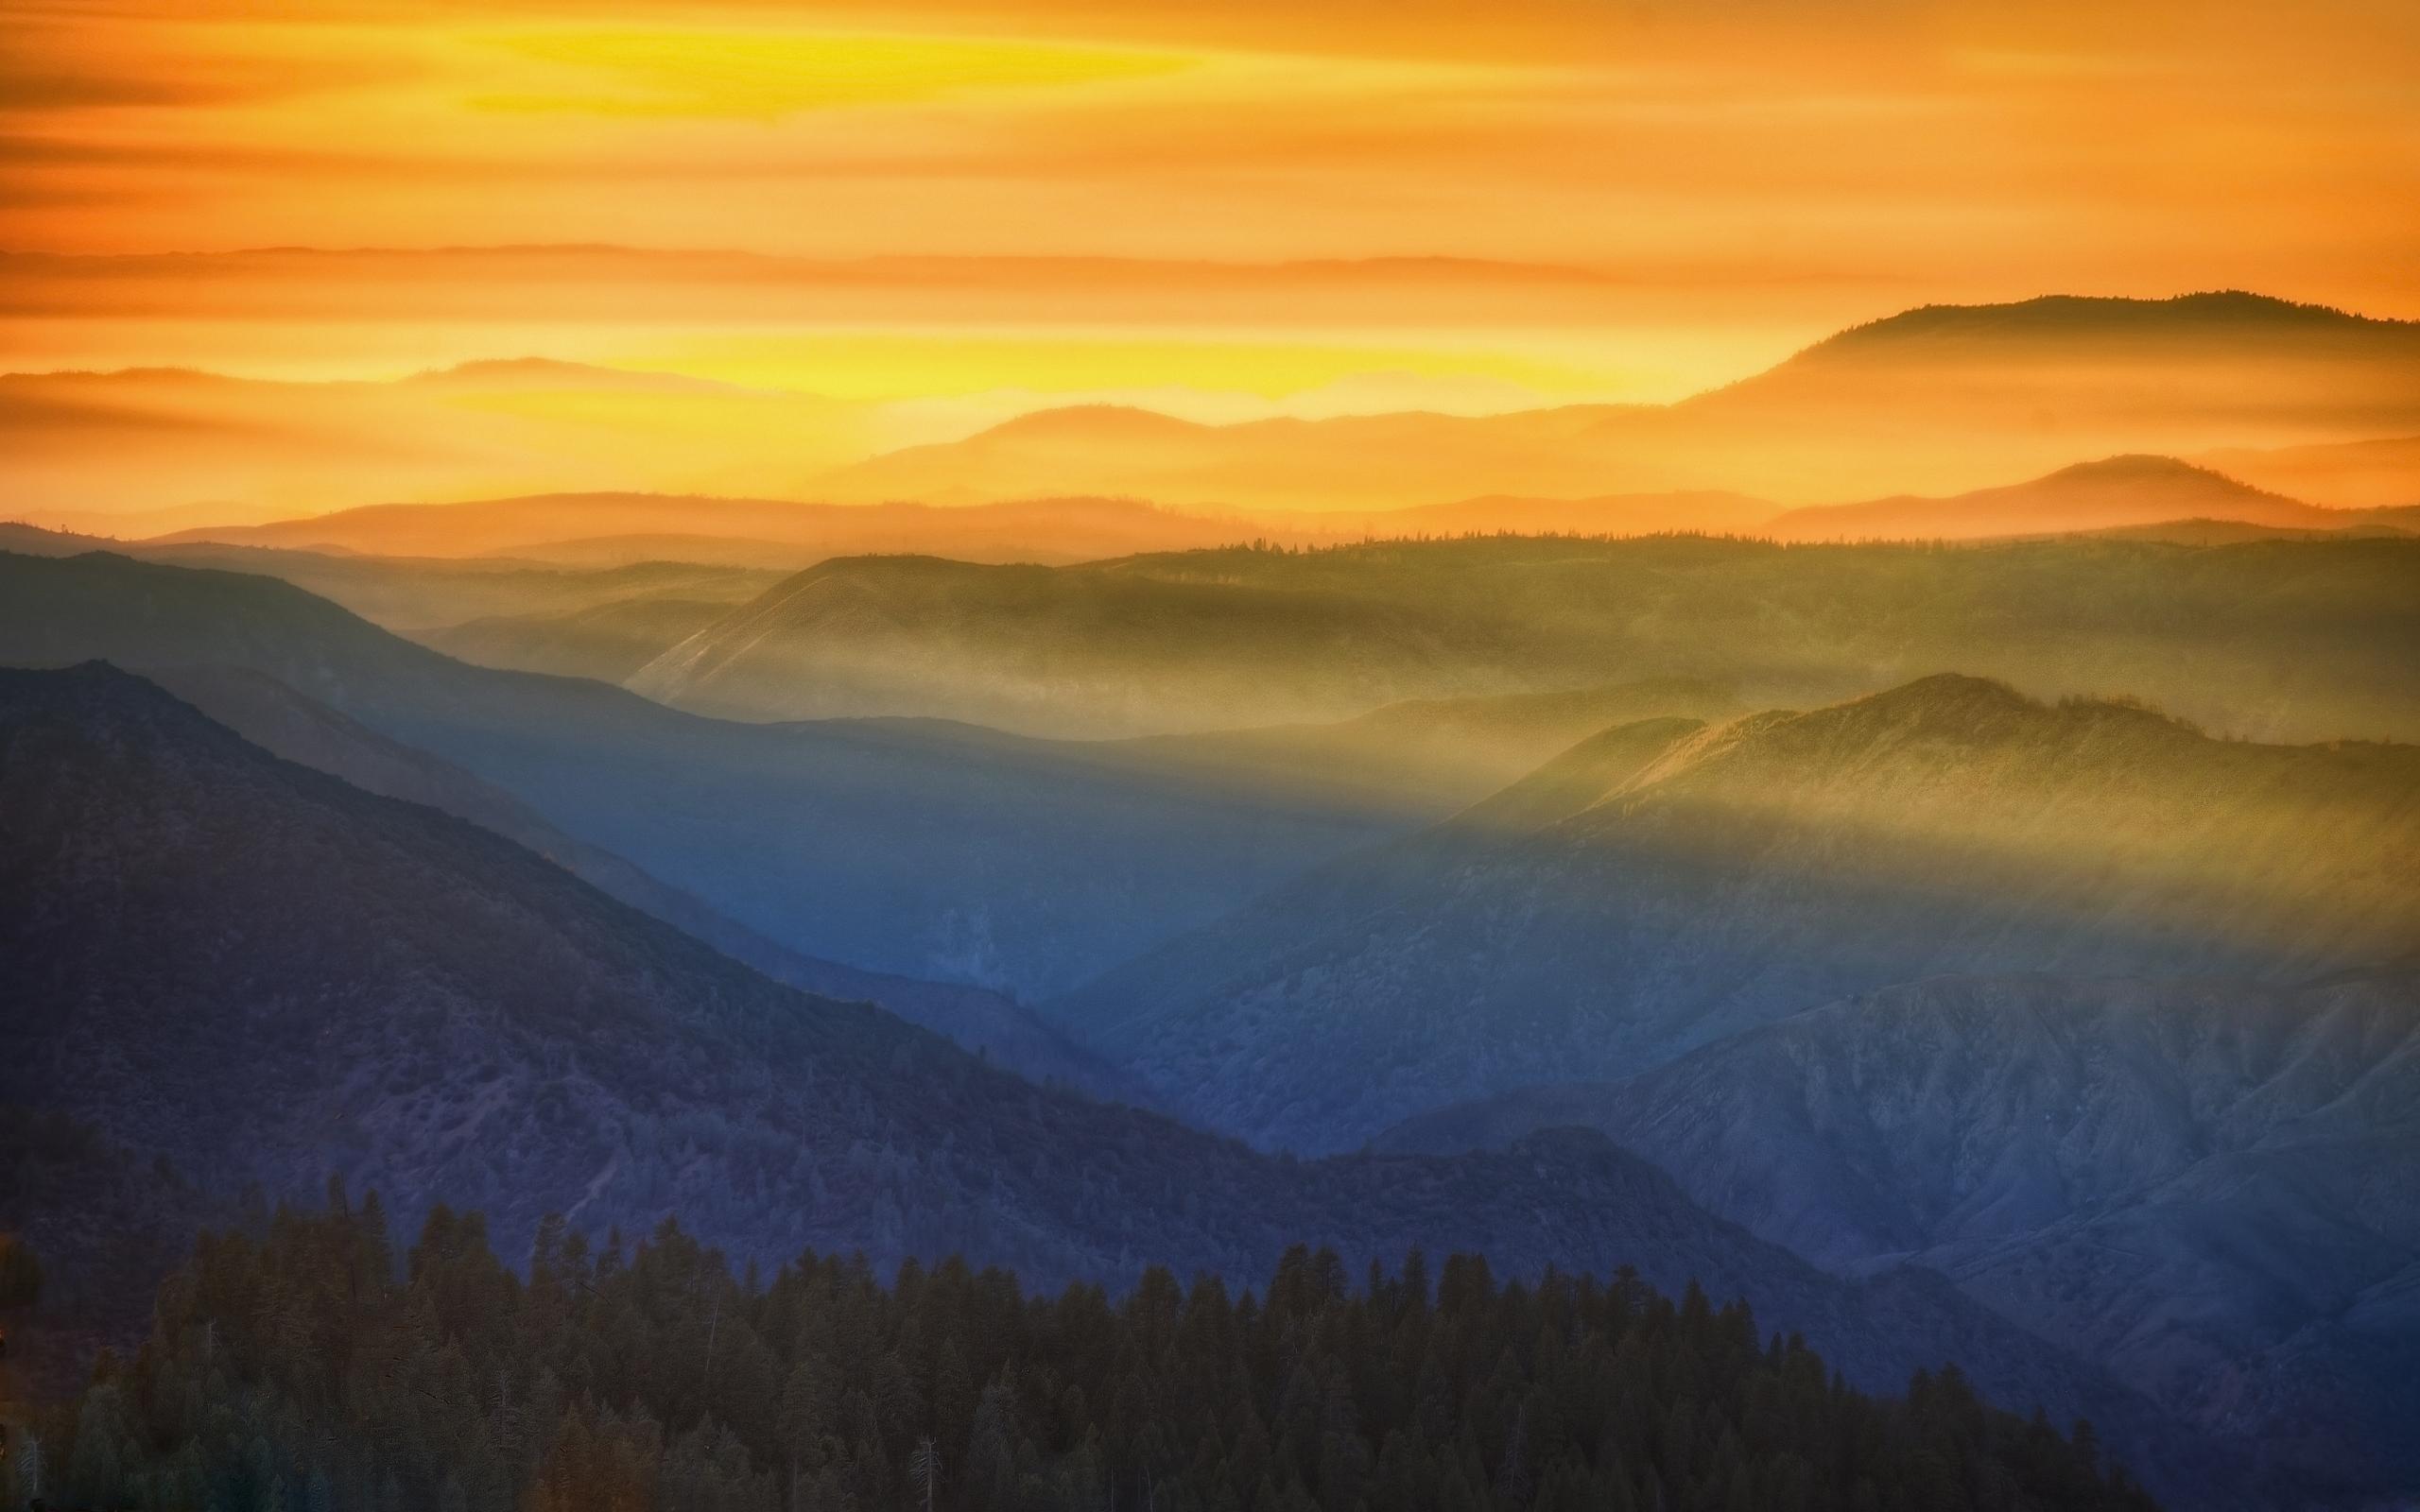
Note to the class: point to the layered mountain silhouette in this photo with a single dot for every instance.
(2259, 638)
(299, 730)
(612, 528)
(1103, 650)
(534, 607)
(2209, 1184)
(1663, 886)
(331, 979)
(1935, 401)
(563, 530)
(914, 848)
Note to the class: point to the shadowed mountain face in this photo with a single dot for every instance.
(2275, 640)
(2214, 1186)
(283, 722)
(1931, 401)
(1660, 888)
(915, 848)
(334, 979)
(424, 594)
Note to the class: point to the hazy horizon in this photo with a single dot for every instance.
(1576, 756)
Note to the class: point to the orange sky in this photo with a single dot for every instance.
(956, 211)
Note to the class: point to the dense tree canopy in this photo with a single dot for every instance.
(299, 1368)
(20, 1273)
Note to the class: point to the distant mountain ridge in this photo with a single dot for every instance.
(2256, 639)
(2065, 318)
(620, 529)
(1943, 400)
(1936, 400)
(1053, 529)
(2114, 493)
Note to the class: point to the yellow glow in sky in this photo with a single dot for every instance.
(766, 74)
(952, 206)
(891, 365)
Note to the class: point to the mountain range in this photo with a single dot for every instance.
(2214, 1185)
(431, 595)
(2118, 493)
(1666, 885)
(2253, 638)
(624, 530)
(1752, 839)
(1938, 400)
(912, 847)
(333, 980)
(2311, 403)
(611, 528)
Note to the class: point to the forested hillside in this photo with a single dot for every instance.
(333, 981)
(2279, 640)
(294, 1369)
(2213, 1185)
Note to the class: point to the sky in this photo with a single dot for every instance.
(943, 213)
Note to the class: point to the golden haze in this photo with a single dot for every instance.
(875, 228)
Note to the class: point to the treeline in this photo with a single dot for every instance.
(298, 1369)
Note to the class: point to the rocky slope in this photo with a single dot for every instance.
(2215, 1186)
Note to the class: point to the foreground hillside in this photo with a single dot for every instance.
(336, 980)
(457, 1387)
(2214, 1186)
(2298, 639)
(1663, 886)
